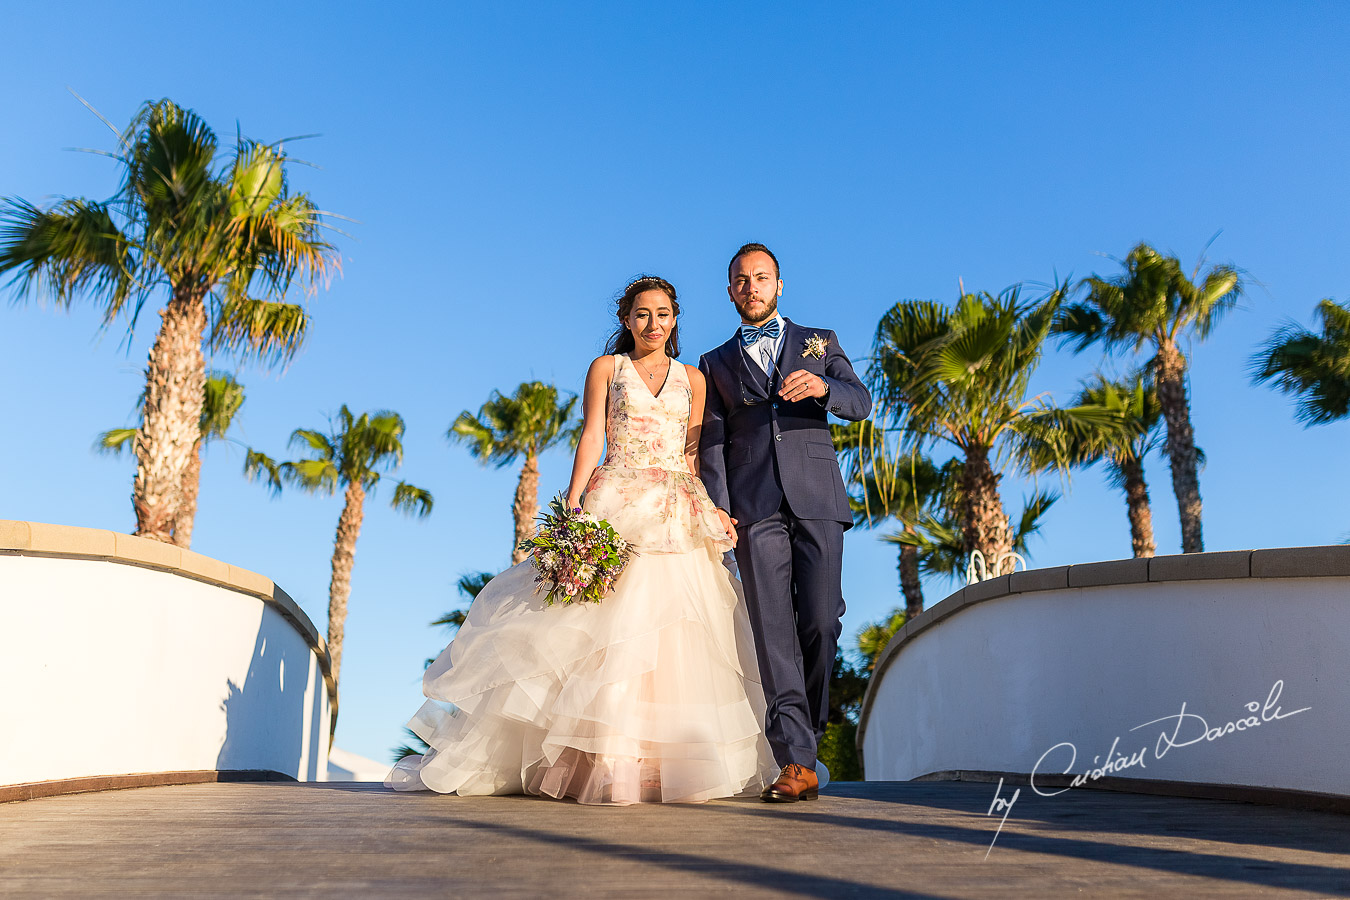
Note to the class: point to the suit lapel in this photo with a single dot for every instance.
(748, 373)
(789, 361)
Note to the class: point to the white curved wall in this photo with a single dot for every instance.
(997, 683)
(109, 669)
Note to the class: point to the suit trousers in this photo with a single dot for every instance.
(792, 572)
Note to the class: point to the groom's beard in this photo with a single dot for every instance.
(764, 317)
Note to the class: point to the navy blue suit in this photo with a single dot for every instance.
(771, 465)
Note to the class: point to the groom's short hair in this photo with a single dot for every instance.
(753, 248)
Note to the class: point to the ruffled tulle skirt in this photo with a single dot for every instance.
(652, 695)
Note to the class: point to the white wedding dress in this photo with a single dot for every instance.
(651, 695)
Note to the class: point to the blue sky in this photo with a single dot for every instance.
(511, 166)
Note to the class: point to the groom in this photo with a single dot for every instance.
(769, 464)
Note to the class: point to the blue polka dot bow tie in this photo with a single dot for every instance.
(750, 334)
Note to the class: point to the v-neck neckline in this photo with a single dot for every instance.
(656, 395)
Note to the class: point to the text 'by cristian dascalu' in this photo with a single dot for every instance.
(1181, 729)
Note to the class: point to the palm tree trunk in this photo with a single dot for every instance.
(1136, 500)
(340, 587)
(1170, 367)
(526, 506)
(175, 386)
(986, 524)
(187, 509)
(910, 585)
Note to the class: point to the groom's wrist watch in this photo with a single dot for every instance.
(824, 399)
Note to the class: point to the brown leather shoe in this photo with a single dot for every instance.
(794, 783)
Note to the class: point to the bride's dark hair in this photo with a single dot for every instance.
(621, 341)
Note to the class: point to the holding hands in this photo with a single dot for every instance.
(729, 524)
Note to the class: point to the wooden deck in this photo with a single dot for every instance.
(875, 839)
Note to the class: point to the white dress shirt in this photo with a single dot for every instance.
(758, 348)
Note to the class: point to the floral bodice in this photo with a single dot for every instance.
(642, 429)
(645, 488)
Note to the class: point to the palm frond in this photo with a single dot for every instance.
(1313, 367)
(414, 501)
(471, 584)
(315, 441)
(1029, 523)
(223, 398)
(505, 428)
(453, 619)
(115, 441)
(318, 476)
(267, 330)
(415, 746)
(259, 466)
(73, 249)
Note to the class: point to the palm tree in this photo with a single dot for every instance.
(885, 484)
(415, 746)
(961, 376)
(874, 637)
(939, 546)
(350, 456)
(939, 537)
(222, 398)
(1154, 302)
(469, 586)
(1313, 367)
(506, 428)
(1123, 452)
(223, 242)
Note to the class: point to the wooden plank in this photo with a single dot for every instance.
(913, 839)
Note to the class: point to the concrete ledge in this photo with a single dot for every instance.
(155, 554)
(73, 542)
(987, 589)
(1283, 562)
(39, 789)
(1302, 562)
(1039, 580)
(70, 540)
(1117, 571)
(1197, 566)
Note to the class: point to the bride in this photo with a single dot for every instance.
(651, 695)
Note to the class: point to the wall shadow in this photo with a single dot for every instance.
(265, 717)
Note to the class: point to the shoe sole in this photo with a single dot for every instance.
(774, 797)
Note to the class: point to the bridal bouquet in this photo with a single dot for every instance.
(579, 557)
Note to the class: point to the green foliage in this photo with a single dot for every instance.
(1313, 367)
(847, 686)
(525, 424)
(1151, 301)
(838, 750)
(1133, 405)
(962, 376)
(415, 746)
(941, 544)
(182, 220)
(223, 399)
(354, 450)
(884, 481)
(469, 586)
(873, 638)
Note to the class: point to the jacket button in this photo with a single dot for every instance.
(777, 437)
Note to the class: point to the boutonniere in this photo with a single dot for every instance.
(815, 347)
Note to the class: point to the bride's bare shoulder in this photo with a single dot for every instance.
(603, 364)
(696, 379)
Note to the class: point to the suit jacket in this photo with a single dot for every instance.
(757, 449)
